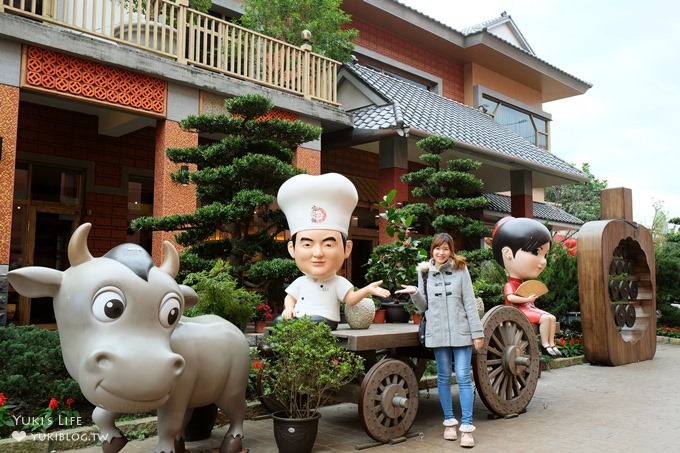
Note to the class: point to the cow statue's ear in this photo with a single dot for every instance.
(35, 281)
(190, 296)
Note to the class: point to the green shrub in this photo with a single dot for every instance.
(670, 316)
(33, 372)
(272, 276)
(488, 278)
(491, 293)
(219, 295)
(480, 262)
(561, 278)
(307, 366)
(667, 283)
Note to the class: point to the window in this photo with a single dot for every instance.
(526, 124)
(399, 71)
(54, 184)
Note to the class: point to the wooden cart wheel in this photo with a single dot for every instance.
(417, 364)
(388, 400)
(506, 370)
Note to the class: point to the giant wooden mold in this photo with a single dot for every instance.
(617, 291)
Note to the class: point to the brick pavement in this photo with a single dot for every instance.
(581, 408)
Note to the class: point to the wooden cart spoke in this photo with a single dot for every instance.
(506, 372)
(388, 400)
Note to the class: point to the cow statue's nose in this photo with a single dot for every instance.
(110, 362)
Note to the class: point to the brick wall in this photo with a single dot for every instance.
(350, 162)
(399, 48)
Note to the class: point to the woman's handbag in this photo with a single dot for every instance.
(421, 330)
(423, 321)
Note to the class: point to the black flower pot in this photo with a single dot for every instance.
(396, 312)
(295, 435)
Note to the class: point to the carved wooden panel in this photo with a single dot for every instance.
(617, 292)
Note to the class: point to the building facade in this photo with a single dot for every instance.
(91, 95)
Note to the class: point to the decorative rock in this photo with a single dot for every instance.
(360, 316)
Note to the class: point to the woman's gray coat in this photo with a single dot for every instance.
(450, 308)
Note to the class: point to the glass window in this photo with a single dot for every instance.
(528, 125)
(21, 182)
(56, 185)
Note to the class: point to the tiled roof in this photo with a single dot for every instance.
(484, 25)
(476, 29)
(542, 211)
(416, 108)
(369, 193)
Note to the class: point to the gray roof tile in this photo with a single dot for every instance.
(542, 211)
(415, 107)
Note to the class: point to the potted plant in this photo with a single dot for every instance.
(379, 317)
(413, 312)
(263, 313)
(395, 263)
(304, 369)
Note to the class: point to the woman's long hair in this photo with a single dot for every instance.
(445, 238)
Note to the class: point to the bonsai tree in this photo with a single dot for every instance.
(307, 365)
(451, 190)
(236, 180)
(286, 19)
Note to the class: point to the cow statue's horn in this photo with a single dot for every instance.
(170, 263)
(77, 247)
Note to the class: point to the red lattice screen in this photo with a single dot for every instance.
(73, 76)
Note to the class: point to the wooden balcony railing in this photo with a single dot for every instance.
(173, 30)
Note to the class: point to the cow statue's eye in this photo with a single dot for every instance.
(171, 310)
(108, 305)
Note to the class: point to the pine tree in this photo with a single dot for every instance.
(236, 180)
(449, 190)
(579, 199)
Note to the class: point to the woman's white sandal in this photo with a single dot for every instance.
(466, 439)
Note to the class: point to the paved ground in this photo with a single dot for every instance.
(582, 408)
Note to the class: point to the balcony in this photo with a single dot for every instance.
(173, 30)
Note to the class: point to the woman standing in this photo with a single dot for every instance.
(453, 328)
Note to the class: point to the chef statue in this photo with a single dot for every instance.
(319, 210)
(521, 245)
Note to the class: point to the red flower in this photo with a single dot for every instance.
(257, 364)
(69, 402)
(3, 398)
(563, 341)
(54, 404)
(264, 312)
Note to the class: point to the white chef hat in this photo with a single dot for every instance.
(323, 202)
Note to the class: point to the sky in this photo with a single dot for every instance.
(627, 126)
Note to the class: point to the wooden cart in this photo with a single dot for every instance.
(505, 372)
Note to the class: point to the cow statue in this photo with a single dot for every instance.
(126, 343)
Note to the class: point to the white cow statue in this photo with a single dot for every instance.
(126, 343)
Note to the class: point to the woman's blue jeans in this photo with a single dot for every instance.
(462, 358)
